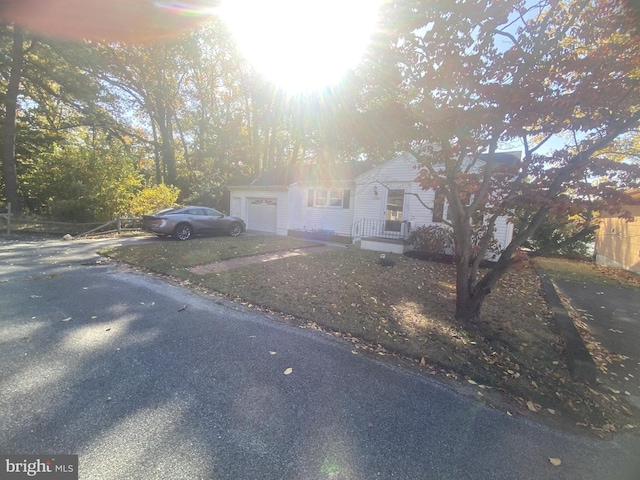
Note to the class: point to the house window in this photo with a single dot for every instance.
(335, 198)
(320, 198)
(329, 197)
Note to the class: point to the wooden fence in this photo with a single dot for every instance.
(25, 225)
(7, 217)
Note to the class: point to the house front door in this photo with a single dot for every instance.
(394, 210)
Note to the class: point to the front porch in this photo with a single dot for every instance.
(382, 235)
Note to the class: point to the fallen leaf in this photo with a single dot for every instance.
(66, 319)
(471, 382)
(422, 362)
(531, 406)
(612, 390)
(288, 371)
(626, 411)
(551, 411)
(509, 413)
(555, 461)
(273, 353)
(184, 307)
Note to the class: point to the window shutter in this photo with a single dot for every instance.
(310, 198)
(346, 196)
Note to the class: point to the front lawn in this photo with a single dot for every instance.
(405, 311)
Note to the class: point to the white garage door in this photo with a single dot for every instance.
(262, 214)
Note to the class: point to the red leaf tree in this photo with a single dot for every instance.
(559, 79)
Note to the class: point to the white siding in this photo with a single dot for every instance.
(367, 201)
(400, 172)
(304, 217)
(371, 187)
(504, 231)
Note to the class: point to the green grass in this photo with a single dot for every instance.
(173, 258)
(587, 272)
(406, 309)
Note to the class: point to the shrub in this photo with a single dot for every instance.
(151, 199)
(431, 239)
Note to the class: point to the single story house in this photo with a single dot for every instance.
(375, 205)
(618, 240)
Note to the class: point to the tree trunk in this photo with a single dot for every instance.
(168, 152)
(469, 298)
(469, 295)
(468, 306)
(9, 169)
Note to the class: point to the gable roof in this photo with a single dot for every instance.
(320, 174)
(311, 173)
(506, 158)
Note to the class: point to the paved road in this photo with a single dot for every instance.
(143, 389)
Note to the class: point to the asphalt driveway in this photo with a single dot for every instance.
(613, 316)
(144, 380)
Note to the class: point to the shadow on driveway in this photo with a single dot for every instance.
(613, 316)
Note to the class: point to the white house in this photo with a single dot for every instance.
(350, 202)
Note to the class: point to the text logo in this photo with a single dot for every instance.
(45, 467)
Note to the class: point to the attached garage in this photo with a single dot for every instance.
(262, 214)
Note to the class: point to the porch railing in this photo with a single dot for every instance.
(389, 229)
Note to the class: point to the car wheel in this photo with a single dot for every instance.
(182, 231)
(235, 229)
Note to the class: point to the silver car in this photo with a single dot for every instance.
(182, 223)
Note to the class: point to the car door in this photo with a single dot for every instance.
(199, 220)
(214, 220)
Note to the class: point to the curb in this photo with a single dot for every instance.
(581, 365)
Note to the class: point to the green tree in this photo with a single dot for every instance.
(151, 199)
(9, 168)
(87, 178)
(46, 94)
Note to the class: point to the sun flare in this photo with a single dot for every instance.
(302, 44)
